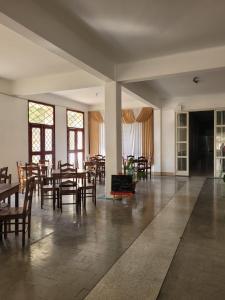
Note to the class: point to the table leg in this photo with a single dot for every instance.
(16, 205)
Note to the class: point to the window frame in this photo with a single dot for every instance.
(42, 128)
(75, 130)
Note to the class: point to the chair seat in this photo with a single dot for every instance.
(50, 186)
(11, 212)
(68, 189)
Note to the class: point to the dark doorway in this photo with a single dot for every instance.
(201, 143)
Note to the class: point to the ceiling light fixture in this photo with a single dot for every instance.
(196, 79)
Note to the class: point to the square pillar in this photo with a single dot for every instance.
(113, 137)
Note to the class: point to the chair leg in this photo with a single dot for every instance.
(0, 230)
(29, 225)
(42, 199)
(5, 230)
(23, 232)
(60, 203)
(53, 197)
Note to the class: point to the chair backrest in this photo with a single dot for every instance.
(44, 162)
(6, 178)
(3, 174)
(27, 204)
(98, 156)
(142, 158)
(66, 166)
(89, 165)
(32, 169)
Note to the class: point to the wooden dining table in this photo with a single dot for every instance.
(9, 189)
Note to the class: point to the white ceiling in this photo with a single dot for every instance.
(182, 85)
(96, 95)
(139, 29)
(20, 58)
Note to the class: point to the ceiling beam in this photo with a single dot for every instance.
(144, 93)
(39, 25)
(170, 65)
(54, 83)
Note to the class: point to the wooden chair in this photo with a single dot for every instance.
(98, 156)
(68, 186)
(49, 191)
(142, 167)
(90, 167)
(44, 162)
(3, 174)
(66, 166)
(88, 189)
(130, 157)
(33, 170)
(21, 176)
(6, 179)
(20, 214)
(100, 170)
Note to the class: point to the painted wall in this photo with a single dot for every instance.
(14, 130)
(157, 141)
(168, 141)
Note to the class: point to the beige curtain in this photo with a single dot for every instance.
(146, 117)
(128, 116)
(94, 120)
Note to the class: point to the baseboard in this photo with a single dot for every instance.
(163, 174)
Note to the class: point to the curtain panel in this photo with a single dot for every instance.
(128, 116)
(130, 134)
(94, 120)
(146, 117)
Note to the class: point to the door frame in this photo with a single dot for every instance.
(214, 134)
(177, 172)
(42, 129)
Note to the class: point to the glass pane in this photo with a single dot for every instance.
(181, 134)
(80, 159)
(220, 167)
(220, 117)
(48, 139)
(181, 119)
(36, 158)
(71, 140)
(40, 113)
(79, 140)
(220, 141)
(182, 164)
(75, 119)
(182, 149)
(71, 158)
(36, 139)
(48, 157)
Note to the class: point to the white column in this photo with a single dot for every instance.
(113, 139)
(157, 141)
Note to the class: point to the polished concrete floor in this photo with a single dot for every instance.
(69, 254)
(198, 268)
(130, 249)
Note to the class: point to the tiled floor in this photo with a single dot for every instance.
(198, 268)
(140, 271)
(70, 254)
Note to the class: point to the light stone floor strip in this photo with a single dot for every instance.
(141, 270)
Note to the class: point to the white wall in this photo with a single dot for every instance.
(168, 141)
(14, 130)
(157, 141)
